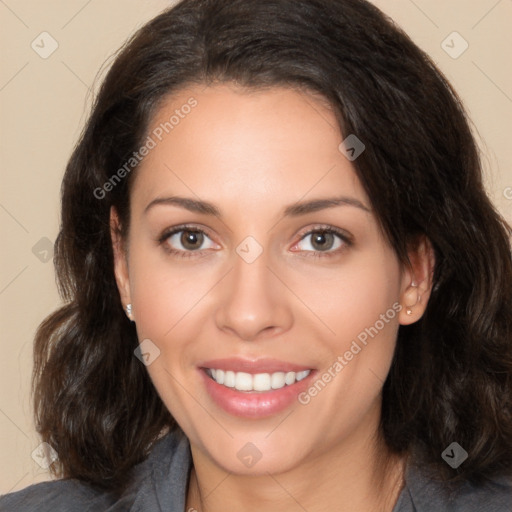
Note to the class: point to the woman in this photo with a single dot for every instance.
(286, 288)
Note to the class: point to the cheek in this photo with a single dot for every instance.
(360, 307)
(371, 315)
(164, 293)
(369, 323)
(359, 296)
(167, 302)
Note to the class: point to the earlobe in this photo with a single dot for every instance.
(417, 281)
(129, 311)
(411, 297)
(120, 263)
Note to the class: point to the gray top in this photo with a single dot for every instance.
(160, 484)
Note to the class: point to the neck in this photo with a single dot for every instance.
(345, 478)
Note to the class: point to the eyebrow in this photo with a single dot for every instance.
(315, 205)
(293, 210)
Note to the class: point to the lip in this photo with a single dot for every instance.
(254, 404)
(237, 364)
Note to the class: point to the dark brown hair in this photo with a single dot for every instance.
(451, 378)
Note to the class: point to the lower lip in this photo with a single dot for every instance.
(257, 404)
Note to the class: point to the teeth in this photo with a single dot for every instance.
(243, 381)
(289, 378)
(261, 382)
(300, 375)
(229, 379)
(277, 380)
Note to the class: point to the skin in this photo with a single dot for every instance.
(252, 153)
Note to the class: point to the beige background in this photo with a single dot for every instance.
(44, 103)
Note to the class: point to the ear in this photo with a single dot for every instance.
(120, 261)
(417, 281)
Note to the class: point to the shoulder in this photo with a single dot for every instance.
(60, 495)
(495, 496)
(423, 493)
(168, 462)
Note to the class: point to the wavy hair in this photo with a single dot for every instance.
(451, 376)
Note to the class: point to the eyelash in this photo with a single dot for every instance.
(344, 237)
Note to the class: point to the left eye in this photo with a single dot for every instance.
(189, 239)
(321, 240)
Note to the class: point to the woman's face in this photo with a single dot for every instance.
(253, 251)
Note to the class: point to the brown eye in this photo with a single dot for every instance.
(191, 240)
(184, 241)
(322, 240)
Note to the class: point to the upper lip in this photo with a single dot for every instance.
(236, 364)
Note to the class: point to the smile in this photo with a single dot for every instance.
(254, 388)
(242, 381)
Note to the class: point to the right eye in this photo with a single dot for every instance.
(185, 240)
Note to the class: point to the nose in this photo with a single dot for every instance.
(254, 303)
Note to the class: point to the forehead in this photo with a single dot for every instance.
(266, 146)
